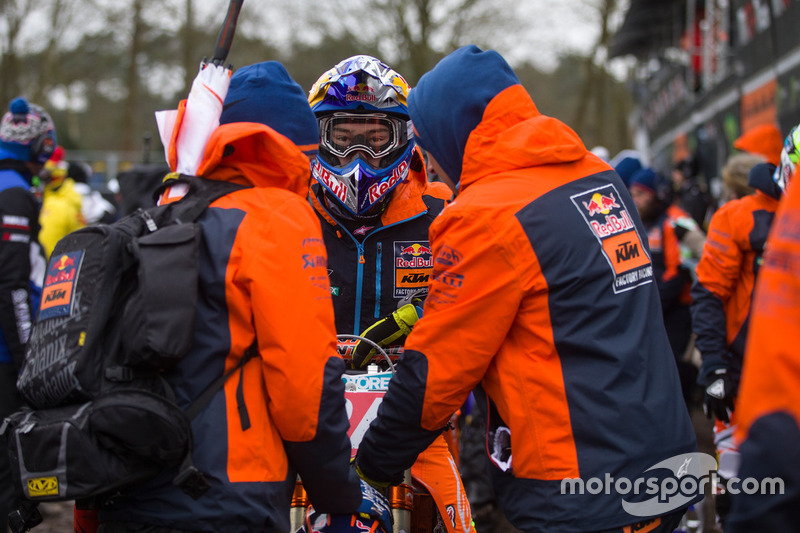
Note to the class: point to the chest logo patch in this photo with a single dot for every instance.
(413, 264)
(613, 227)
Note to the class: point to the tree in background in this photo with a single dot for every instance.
(104, 66)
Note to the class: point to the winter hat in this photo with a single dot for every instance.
(765, 140)
(56, 167)
(627, 168)
(266, 94)
(645, 178)
(27, 132)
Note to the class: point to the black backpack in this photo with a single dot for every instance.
(118, 309)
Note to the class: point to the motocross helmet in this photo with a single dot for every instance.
(339, 523)
(790, 156)
(366, 138)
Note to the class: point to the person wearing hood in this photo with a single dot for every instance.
(764, 140)
(263, 278)
(676, 244)
(543, 296)
(375, 204)
(27, 140)
(768, 406)
(722, 303)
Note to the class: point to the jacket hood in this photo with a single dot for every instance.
(765, 140)
(760, 178)
(489, 126)
(254, 154)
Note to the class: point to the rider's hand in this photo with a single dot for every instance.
(719, 395)
(375, 506)
(384, 332)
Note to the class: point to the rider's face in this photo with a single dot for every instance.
(374, 135)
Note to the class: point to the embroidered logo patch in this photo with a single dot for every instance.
(59, 285)
(413, 264)
(616, 233)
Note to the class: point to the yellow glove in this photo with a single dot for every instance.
(384, 332)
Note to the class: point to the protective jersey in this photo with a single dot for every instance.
(543, 292)
(262, 276)
(61, 213)
(369, 274)
(768, 406)
(374, 266)
(727, 271)
(22, 264)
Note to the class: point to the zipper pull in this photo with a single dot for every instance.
(361, 260)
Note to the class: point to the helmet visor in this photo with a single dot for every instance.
(376, 134)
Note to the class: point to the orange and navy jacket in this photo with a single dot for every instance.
(727, 271)
(262, 276)
(374, 266)
(768, 406)
(543, 293)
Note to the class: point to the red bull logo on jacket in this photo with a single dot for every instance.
(59, 285)
(413, 265)
(613, 227)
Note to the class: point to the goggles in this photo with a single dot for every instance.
(376, 134)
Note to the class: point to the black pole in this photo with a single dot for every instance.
(225, 38)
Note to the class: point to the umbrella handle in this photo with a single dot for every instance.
(225, 38)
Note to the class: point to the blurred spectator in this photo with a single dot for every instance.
(691, 195)
(601, 152)
(721, 304)
(735, 176)
(61, 204)
(768, 408)
(96, 207)
(764, 140)
(136, 186)
(651, 193)
(627, 167)
(27, 140)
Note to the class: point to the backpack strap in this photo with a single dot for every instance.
(189, 478)
(202, 400)
(202, 193)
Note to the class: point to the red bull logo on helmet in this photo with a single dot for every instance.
(336, 187)
(360, 93)
(379, 189)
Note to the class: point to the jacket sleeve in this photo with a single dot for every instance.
(768, 406)
(295, 328)
(19, 212)
(717, 273)
(473, 300)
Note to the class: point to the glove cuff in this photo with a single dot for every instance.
(406, 317)
(376, 484)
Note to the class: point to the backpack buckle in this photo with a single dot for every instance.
(119, 373)
(191, 481)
